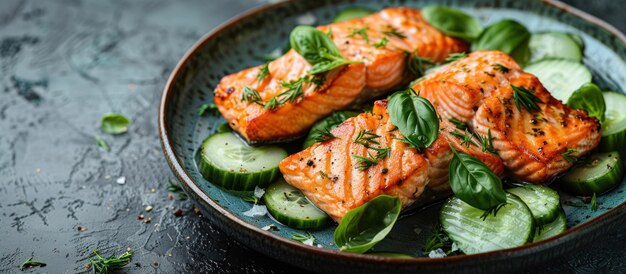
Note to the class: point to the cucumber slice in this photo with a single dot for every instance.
(512, 226)
(289, 206)
(543, 201)
(597, 174)
(556, 227)
(352, 13)
(227, 161)
(554, 45)
(560, 77)
(614, 127)
(577, 39)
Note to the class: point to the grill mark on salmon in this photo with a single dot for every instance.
(327, 172)
(383, 69)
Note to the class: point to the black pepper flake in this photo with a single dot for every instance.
(309, 163)
(178, 213)
(230, 90)
(384, 171)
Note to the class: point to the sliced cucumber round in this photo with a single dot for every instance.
(352, 13)
(599, 173)
(614, 126)
(560, 77)
(554, 45)
(512, 226)
(556, 227)
(543, 201)
(289, 206)
(227, 161)
(579, 40)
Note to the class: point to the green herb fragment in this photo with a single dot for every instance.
(452, 22)
(455, 56)
(101, 143)
(31, 263)
(438, 240)
(361, 32)
(363, 227)
(293, 92)
(486, 143)
(382, 43)
(458, 124)
(493, 211)
(526, 98)
(500, 68)
(589, 98)
(251, 199)
(474, 183)
(307, 238)
(366, 138)
(567, 155)
(394, 32)
(113, 123)
(364, 163)
(263, 72)
(207, 108)
(101, 265)
(508, 36)
(594, 202)
(250, 95)
(318, 49)
(415, 117)
(175, 188)
(416, 64)
(466, 138)
(321, 135)
(574, 204)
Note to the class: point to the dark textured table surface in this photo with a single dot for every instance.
(65, 63)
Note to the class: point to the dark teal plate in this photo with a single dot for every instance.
(241, 43)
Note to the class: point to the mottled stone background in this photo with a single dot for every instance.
(65, 63)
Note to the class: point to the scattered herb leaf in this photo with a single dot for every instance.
(455, 56)
(113, 123)
(204, 108)
(101, 143)
(31, 263)
(307, 238)
(382, 43)
(466, 138)
(394, 32)
(250, 95)
(251, 199)
(175, 188)
(364, 163)
(500, 68)
(567, 155)
(361, 32)
(486, 143)
(264, 71)
(525, 98)
(594, 202)
(416, 64)
(101, 265)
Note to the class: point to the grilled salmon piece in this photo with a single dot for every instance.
(328, 172)
(439, 155)
(478, 90)
(256, 123)
(534, 145)
(383, 68)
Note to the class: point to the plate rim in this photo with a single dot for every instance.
(175, 165)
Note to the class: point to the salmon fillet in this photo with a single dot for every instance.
(478, 90)
(382, 41)
(328, 172)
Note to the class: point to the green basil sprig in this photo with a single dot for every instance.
(474, 183)
(363, 227)
(589, 97)
(452, 22)
(317, 48)
(415, 117)
(508, 36)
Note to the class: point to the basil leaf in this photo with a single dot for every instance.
(363, 227)
(309, 42)
(589, 98)
(474, 183)
(113, 123)
(452, 22)
(508, 36)
(326, 125)
(317, 49)
(415, 117)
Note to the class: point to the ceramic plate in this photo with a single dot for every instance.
(241, 43)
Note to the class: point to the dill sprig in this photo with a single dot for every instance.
(175, 188)
(362, 32)
(382, 43)
(263, 72)
(567, 155)
(31, 263)
(304, 237)
(364, 163)
(250, 95)
(526, 98)
(394, 32)
(493, 211)
(293, 92)
(466, 138)
(101, 265)
(321, 135)
(500, 67)
(455, 56)
(486, 143)
(438, 240)
(458, 124)
(366, 138)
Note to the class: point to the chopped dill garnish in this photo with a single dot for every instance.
(382, 43)
(362, 32)
(525, 98)
(250, 95)
(101, 265)
(416, 64)
(394, 32)
(366, 138)
(466, 138)
(493, 211)
(500, 67)
(321, 135)
(567, 155)
(455, 56)
(31, 263)
(486, 143)
(458, 124)
(263, 72)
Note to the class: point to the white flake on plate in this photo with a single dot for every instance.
(437, 253)
(454, 247)
(309, 241)
(121, 180)
(306, 19)
(258, 192)
(256, 211)
(268, 227)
